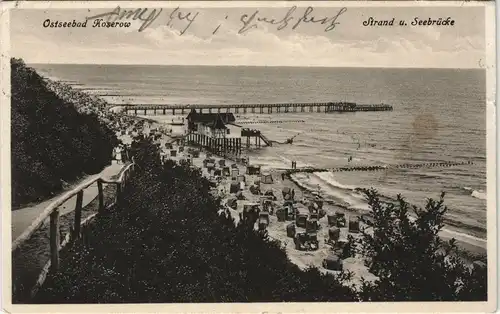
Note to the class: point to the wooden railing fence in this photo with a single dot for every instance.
(52, 211)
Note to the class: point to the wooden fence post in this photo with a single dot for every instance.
(101, 196)
(124, 181)
(118, 192)
(78, 214)
(55, 241)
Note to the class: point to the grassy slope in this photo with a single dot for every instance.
(51, 141)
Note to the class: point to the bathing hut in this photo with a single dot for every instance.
(253, 170)
(265, 203)
(333, 262)
(301, 220)
(251, 209)
(263, 220)
(266, 178)
(281, 214)
(353, 225)
(235, 172)
(222, 163)
(173, 153)
(340, 220)
(210, 166)
(226, 172)
(286, 191)
(234, 187)
(290, 230)
(334, 234)
(332, 220)
(312, 224)
(241, 178)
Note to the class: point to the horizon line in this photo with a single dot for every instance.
(260, 66)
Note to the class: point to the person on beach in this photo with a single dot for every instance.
(282, 176)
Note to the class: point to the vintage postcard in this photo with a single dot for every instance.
(245, 157)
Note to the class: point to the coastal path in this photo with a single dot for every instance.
(53, 224)
(24, 217)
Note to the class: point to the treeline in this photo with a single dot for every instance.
(51, 141)
(166, 242)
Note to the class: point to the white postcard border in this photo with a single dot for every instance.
(492, 221)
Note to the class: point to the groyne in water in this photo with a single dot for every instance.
(378, 168)
(271, 121)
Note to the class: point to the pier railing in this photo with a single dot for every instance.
(52, 212)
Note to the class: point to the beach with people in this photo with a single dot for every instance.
(336, 197)
(313, 226)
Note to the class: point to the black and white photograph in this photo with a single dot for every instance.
(322, 155)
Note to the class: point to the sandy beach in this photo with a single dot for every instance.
(277, 230)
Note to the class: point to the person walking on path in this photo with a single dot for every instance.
(118, 155)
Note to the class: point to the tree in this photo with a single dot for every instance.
(410, 259)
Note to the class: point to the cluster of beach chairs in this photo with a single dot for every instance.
(249, 195)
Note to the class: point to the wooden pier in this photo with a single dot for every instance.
(219, 146)
(258, 137)
(319, 107)
(227, 145)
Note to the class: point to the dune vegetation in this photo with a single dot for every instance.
(170, 240)
(51, 141)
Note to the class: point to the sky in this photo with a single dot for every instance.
(349, 44)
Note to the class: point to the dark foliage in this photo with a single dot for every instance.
(51, 141)
(167, 243)
(410, 259)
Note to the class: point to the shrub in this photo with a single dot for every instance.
(410, 259)
(51, 141)
(166, 242)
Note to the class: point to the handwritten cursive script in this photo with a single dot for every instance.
(119, 14)
(177, 14)
(251, 21)
(185, 18)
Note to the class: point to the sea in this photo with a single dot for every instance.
(439, 116)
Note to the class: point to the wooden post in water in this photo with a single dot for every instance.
(78, 214)
(55, 241)
(100, 195)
